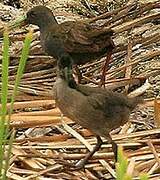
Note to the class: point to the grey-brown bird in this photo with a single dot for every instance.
(97, 109)
(82, 41)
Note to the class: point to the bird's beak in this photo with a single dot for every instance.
(21, 21)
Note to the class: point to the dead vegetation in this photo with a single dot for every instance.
(45, 141)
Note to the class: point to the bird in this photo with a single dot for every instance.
(83, 41)
(95, 108)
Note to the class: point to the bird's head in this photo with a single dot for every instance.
(65, 61)
(65, 66)
(40, 16)
(65, 70)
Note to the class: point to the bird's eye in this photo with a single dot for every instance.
(32, 14)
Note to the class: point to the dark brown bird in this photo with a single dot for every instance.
(97, 109)
(82, 41)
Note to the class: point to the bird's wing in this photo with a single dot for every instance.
(81, 37)
(109, 103)
(88, 90)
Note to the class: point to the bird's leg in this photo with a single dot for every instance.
(114, 147)
(78, 73)
(105, 68)
(82, 162)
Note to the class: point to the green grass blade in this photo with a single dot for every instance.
(4, 176)
(4, 93)
(23, 59)
(121, 166)
(5, 64)
(144, 177)
(4, 125)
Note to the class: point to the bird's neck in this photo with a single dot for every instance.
(61, 87)
(48, 22)
(69, 80)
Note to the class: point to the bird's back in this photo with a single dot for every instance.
(97, 109)
(81, 41)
